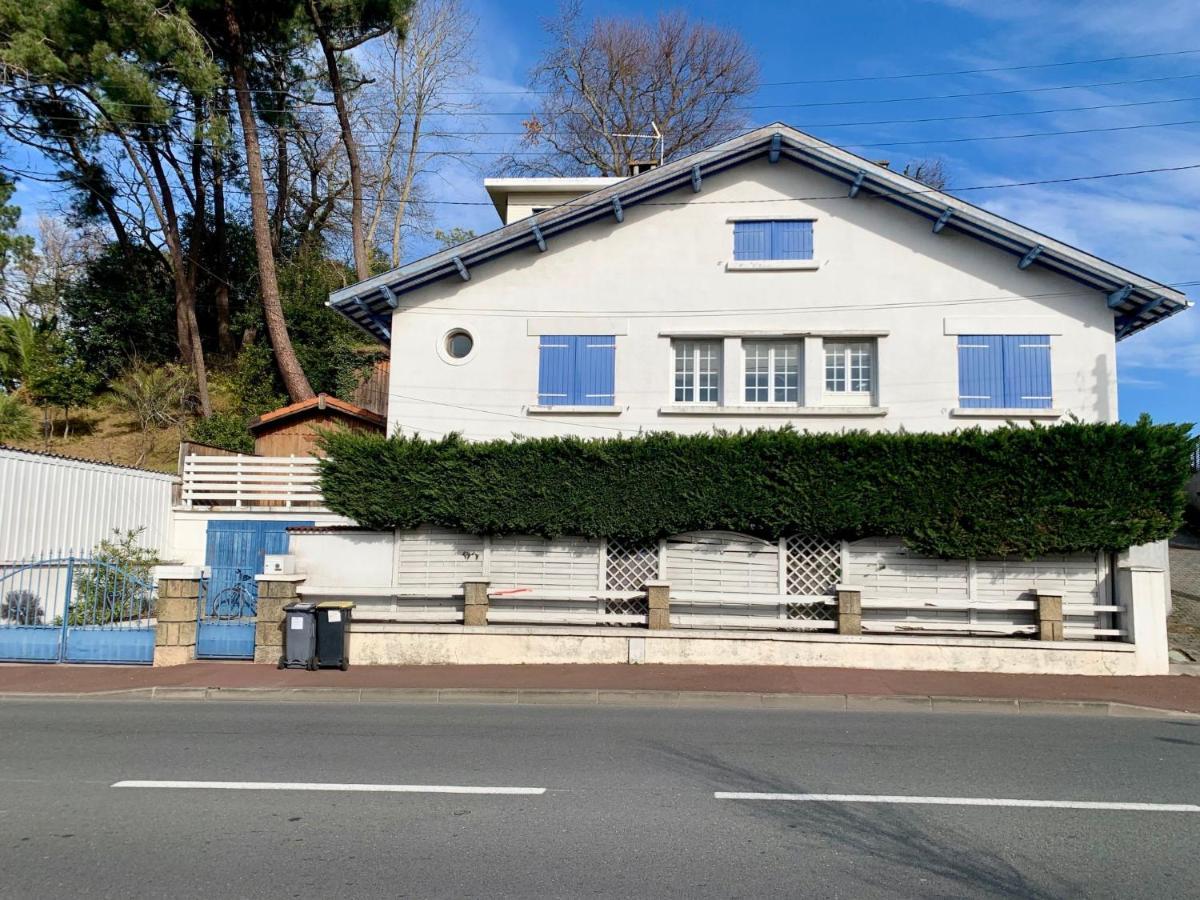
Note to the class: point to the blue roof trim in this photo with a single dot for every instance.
(370, 303)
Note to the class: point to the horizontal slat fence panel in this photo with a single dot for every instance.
(722, 561)
(249, 481)
(436, 559)
(523, 561)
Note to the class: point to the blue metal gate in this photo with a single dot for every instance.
(75, 609)
(228, 605)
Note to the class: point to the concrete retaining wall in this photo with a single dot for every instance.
(394, 644)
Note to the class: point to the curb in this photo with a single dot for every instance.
(624, 698)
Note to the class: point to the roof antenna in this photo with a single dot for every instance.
(636, 167)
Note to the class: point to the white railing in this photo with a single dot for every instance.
(286, 482)
(1009, 618)
(725, 611)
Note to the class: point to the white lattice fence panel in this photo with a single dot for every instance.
(628, 606)
(814, 566)
(630, 564)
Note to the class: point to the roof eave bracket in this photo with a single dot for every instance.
(1126, 323)
(776, 147)
(462, 269)
(389, 296)
(537, 236)
(1028, 258)
(858, 182)
(618, 212)
(1119, 296)
(942, 220)
(695, 179)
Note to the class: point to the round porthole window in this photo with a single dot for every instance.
(459, 344)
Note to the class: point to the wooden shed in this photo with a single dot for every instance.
(292, 430)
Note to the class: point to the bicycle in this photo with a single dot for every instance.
(237, 601)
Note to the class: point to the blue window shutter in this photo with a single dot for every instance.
(595, 370)
(751, 240)
(791, 240)
(556, 365)
(980, 371)
(1027, 371)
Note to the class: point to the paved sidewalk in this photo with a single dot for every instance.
(1160, 692)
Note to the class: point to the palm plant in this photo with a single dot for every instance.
(156, 396)
(16, 422)
(18, 349)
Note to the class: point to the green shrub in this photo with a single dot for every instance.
(16, 421)
(226, 430)
(1025, 491)
(118, 585)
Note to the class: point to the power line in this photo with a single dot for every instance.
(981, 138)
(299, 128)
(838, 196)
(1004, 93)
(991, 69)
(849, 79)
(806, 105)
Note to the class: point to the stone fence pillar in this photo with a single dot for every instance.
(1050, 616)
(849, 610)
(274, 593)
(658, 603)
(475, 602)
(175, 613)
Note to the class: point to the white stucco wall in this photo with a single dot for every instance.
(880, 270)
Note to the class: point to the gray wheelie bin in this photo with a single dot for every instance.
(299, 636)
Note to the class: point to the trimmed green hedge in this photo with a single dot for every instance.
(1023, 491)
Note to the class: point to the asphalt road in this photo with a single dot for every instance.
(628, 808)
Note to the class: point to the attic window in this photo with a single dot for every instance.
(772, 244)
(773, 239)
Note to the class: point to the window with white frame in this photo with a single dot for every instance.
(697, 371)
(772, 371)
(850, 369)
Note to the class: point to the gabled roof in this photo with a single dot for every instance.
(1136, 301)
(320, 402)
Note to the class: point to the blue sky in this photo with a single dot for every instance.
(1149, 223)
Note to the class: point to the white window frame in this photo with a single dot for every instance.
(773, 345)
(843, 349)
(693, 348)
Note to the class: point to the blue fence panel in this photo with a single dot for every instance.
(75, 609)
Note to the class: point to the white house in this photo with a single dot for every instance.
(771, 279)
